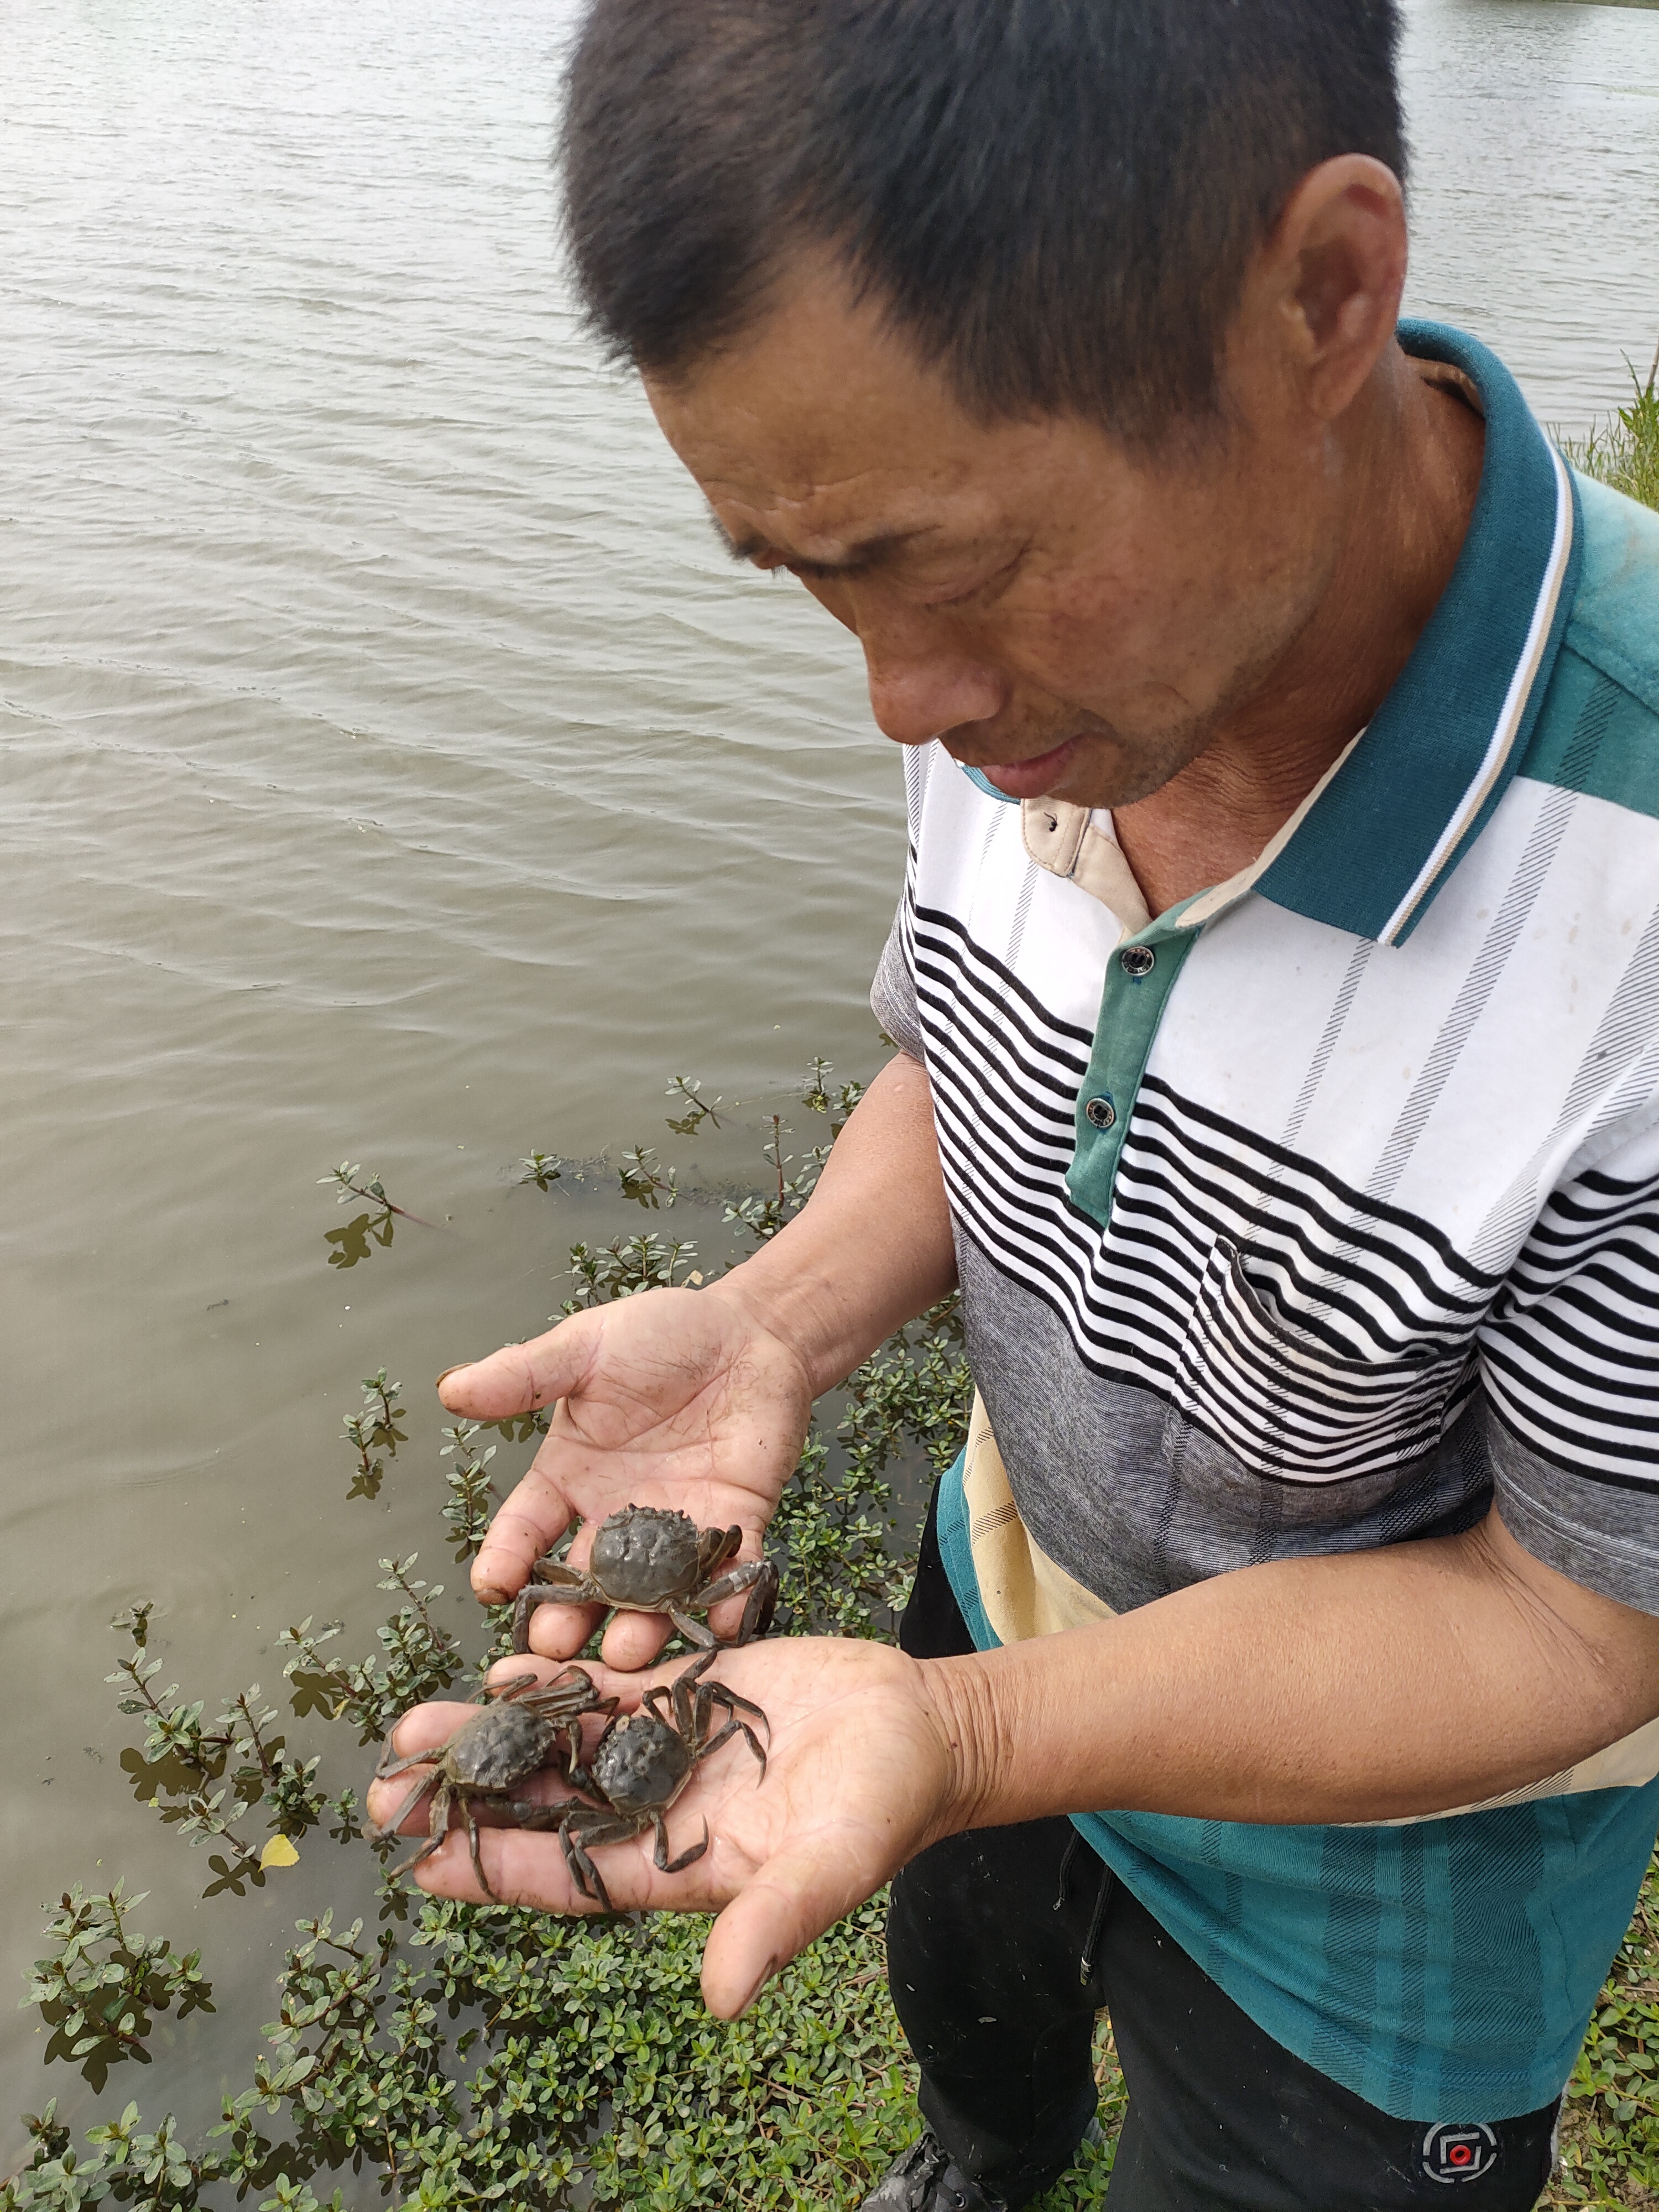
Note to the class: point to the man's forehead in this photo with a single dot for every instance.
(820, 433)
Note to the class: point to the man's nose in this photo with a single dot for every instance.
(916, 695)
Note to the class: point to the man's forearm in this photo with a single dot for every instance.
(871, 1249)
(1362, 1686)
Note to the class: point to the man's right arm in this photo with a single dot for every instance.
(699, 1400)
(872, 1247)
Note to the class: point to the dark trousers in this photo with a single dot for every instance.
(1003, 1945)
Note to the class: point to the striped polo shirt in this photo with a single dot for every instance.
(1316, 1213)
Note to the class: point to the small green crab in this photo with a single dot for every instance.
(647, 1558)
(640, 1766)
(522, 1729)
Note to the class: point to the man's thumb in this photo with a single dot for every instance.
(794, 1898)
(520, 1378)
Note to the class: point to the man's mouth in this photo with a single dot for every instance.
(1033, 778)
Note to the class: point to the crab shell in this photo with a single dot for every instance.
(641, 1763)
(645, 1553)
(502, 1746)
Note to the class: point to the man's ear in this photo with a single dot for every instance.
(1324, 287)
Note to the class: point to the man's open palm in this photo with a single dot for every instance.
(672, 1398)
(859, 1772)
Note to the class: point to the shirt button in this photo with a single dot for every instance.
(1137, 960)
(1101, 1112)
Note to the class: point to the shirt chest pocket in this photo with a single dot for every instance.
(1293, 1408)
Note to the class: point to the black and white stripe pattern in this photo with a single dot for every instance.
(1569, 1351)
(1319, 1333)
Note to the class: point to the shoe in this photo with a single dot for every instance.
(924, 2180)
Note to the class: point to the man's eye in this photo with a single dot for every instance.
(985, 585)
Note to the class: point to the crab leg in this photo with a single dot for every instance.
(392, 1826)
(471, 1820)
(762, 1604)
(606, 1829)
(665, 1864)
(389, 1768)
(718, 1694)
(499, 1693)
(759, 1578)
(733, 1727)
(682, 1689)
(530, 1813)
(436, 1832)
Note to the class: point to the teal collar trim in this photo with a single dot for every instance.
(1441, 750)
(978, 777)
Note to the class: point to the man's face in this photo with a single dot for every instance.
(1072, 617)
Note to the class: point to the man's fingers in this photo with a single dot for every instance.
(725, 1618)
(559, 1632)
(794, 1897)
(527, 1866)
(633, 1639)
(520, 1378)
(423, 1726)
(535, 1516)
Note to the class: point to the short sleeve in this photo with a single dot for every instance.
(1567, 1358)
(893, 994)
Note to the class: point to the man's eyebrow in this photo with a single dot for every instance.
(864, 554)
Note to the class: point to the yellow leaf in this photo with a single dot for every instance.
(279, 1852)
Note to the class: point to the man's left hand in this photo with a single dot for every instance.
(859, 1773)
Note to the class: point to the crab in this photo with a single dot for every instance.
(649, 1560)
(522, 1729)
(640, 1766)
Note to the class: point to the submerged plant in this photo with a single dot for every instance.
(471, 1493)
(373, 1431)
(421, 1660)
(697, 1109)
(352, 1243)
(103, 1985)
(645, 1180)
(186, 1772)
(629, 1264)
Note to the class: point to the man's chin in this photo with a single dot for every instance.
(1097, 768)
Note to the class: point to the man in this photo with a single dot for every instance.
(1275, 1079)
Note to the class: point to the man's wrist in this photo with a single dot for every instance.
(964, 1705)
(798, 1309)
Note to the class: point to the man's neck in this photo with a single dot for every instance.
(1418, 470)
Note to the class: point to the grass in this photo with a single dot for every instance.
(1624, 451)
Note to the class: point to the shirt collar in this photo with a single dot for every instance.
(1387, 828)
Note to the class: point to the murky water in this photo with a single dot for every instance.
(394, 768)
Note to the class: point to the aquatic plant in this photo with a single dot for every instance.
(374, 1429)
(351, 1243)
(697, 1109)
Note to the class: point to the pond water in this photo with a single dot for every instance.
(395, 769)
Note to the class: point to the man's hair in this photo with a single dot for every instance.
(1055, 201)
